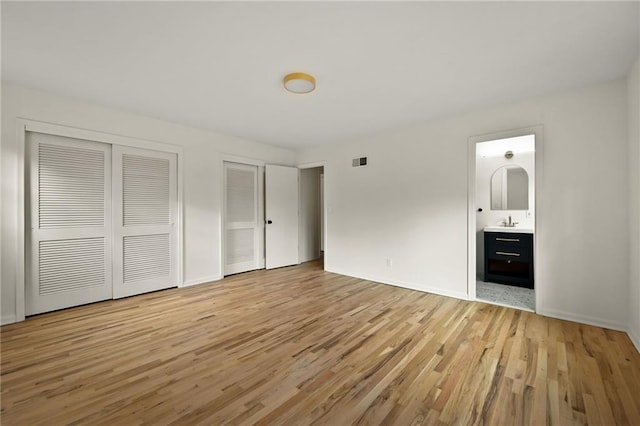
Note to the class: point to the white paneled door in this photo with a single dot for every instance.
(69, 226)
(281, 214)
(241, 218)
(145, 215)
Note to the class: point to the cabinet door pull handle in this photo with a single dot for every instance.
(507, 239)
(506, 253)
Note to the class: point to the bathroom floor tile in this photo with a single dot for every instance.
(517, 297)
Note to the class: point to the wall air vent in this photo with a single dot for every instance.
(358, 162)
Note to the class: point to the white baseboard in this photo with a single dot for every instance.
(583, 319)
(634, 335)
(202, 280)
(407, 285)
(7, 319)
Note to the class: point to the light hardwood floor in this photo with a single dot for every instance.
(301, 346)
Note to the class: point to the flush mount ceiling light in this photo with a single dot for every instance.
(299, 82)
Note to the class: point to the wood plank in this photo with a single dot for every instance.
(299, 345)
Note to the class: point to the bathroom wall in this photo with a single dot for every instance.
(485, 168)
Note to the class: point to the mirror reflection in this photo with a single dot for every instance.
(510, 188)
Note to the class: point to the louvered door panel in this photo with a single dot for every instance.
(146, 191)
(71, 187)
(240, 246)
(69, 244)
(241, 218)
(145, 214)
(241, 194)
(146, 257)
(68, 265)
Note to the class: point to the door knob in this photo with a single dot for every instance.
(269, 222)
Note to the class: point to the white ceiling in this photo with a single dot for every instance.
(378, 65)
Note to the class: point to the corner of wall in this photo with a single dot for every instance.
(633, 90)
(635, 338)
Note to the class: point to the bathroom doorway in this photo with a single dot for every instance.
(502, 219)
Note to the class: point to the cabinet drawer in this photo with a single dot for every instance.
(508, 240)
(509, 272)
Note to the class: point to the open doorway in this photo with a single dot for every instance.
(503, 221)
(312, 226)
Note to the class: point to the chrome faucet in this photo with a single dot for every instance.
(509, 224)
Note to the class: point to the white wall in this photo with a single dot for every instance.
(202, 160)
(634, 202)
(410, 203)
(485, 167)
(309, 234)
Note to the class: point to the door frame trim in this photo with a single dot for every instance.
(25, 125)
(538, 131)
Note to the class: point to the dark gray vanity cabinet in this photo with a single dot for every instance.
(508, 258)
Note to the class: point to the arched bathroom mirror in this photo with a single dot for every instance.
(510, 188)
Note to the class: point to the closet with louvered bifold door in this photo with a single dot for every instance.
(69, 257)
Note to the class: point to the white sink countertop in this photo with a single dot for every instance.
(514, 229)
